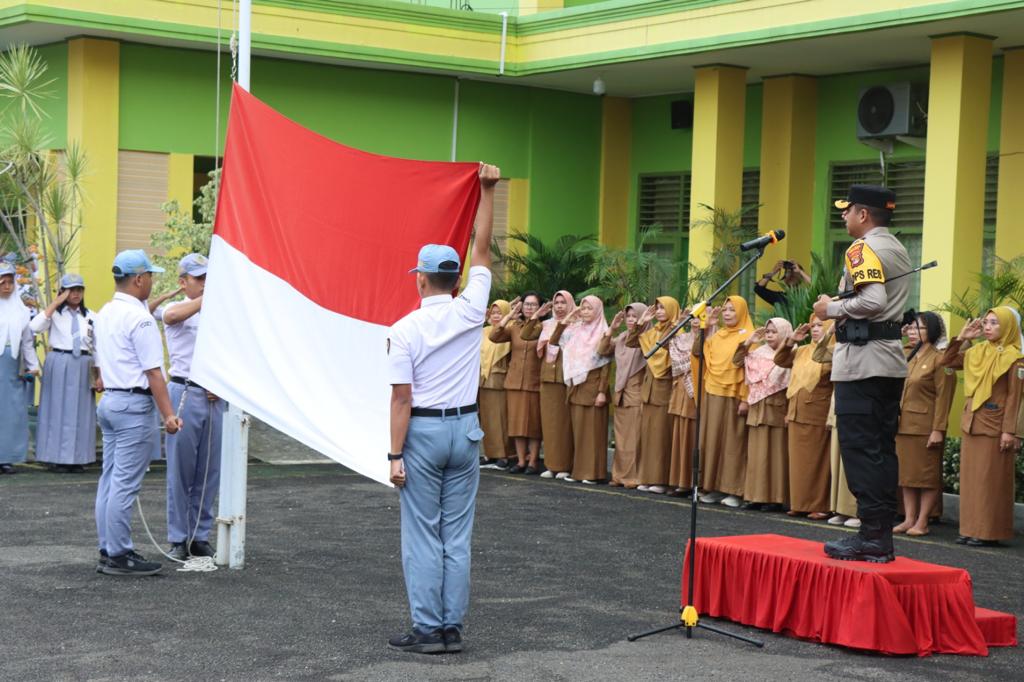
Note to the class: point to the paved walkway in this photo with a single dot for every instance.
(561, 574)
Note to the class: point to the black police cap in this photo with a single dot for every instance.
(875, 196)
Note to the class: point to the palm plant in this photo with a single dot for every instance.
(799, 302)
(1005, 285)
(726, 257)
(621, 276)
(40, 191)
(542, 267)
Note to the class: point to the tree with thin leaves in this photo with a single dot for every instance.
(183, 235)
(620, 276)
(1004, 286)
(542, 267)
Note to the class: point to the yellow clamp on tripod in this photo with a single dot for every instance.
(689, 616)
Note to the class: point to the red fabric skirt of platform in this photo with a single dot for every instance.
(788, 585)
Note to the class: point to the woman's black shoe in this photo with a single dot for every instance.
(773, 507)
(530, 471)
(976, 542)
(963, 539)
(515, 469)
(752, 506)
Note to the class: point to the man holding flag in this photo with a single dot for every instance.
(433, 369)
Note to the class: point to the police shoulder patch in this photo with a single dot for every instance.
(863, 264)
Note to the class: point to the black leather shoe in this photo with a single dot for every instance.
(452, 639)
(419, 643)
(178, 551)
(752, 506)
(963, 540)
(772, 507)
(201, 548)
(976, 542)
(516, 469)
(102, 561)
(531, 471)
(860, 548)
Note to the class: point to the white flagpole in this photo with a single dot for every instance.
(235, 438)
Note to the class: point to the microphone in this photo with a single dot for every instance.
(772, 237)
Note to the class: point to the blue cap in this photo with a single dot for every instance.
(133, 262)
(71, 281)
(438, 258)
(6, 268)
(194, 264)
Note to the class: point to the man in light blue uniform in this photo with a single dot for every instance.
(434, 369)
(130, 358)
(193, 454)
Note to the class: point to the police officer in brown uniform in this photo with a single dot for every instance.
(869, 368)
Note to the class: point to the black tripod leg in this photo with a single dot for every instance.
(633, 638)
(712, 628)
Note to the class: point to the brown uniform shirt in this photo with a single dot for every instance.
(927, 394)
(808, 407)
(1000, 412)
(523, 365)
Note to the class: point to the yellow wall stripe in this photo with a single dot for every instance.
(1010, 199)
(616, 143)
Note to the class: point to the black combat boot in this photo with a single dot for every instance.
(872, 543)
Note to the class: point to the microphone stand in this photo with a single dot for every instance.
(688, 616)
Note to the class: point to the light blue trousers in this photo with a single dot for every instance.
(129, 433)
(442, 474)
(188, 453)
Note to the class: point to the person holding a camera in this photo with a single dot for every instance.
(793, 276)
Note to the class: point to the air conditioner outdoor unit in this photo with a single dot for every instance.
(894, 110)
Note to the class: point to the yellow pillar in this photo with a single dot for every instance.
(787, 166)
(717, 166)
(93, 86)
(180, 180)
(954, 185)
(518, 211)
(1010, 198)
(534, 6)
(616, 142)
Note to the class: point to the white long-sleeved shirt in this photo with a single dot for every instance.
(59, 327)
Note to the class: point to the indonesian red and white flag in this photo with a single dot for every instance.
(309, 267)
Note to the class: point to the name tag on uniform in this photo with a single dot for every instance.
(950, 370)
(1020, 373)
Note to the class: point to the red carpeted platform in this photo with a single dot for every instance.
(788, 585)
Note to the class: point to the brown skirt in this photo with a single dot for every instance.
(684, 432)
(655, 445)
(841, 499)
(556, 427)
(809, 468)
(723, 435)
(767, 476)
(986, 489)
(494, 422)
(523, 413)
(590, 442)
(919, 466)
(627, 443)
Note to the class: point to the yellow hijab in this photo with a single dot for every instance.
(723, 378)
(660, 363)
(985, 362)
(807, 372)
(492, 353)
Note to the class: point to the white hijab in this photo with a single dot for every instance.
(14, 318)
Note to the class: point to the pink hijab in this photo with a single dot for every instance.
(579, 345)
(545, 349)
(764, 377)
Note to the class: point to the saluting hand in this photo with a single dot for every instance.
(713, 314)
(801, 332)
(541, 311)
(398, 473)
(617, 321)
(647, 316)
(971, 330)
(756, 337)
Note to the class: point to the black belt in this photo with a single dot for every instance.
(135, 389)
(186, 382)
(859, 332)
(69, 352)
(445, 412)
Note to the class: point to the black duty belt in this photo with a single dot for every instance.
(69, 352)
(859, 332)
(445, 412)
(185, 382)
(135, 389)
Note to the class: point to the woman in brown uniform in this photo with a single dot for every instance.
(766, 486)
(993, 376)
(723, 425)
(521, 328)
(493, 409)
(555, 421)
(655, 450)
(924, 414)
(683, 409)
(809, 393)
(629, 368)
(586, 376)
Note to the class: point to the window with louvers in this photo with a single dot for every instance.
(906, 179)
(664, 200)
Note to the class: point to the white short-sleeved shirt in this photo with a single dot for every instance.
(59, 327)
(181, 340)
(127, 343)
(437, 348)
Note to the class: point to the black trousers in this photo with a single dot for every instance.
(867, 417)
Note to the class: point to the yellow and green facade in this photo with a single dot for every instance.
(769, 93)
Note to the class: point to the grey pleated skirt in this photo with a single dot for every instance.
(67, 411)
(13, 411)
